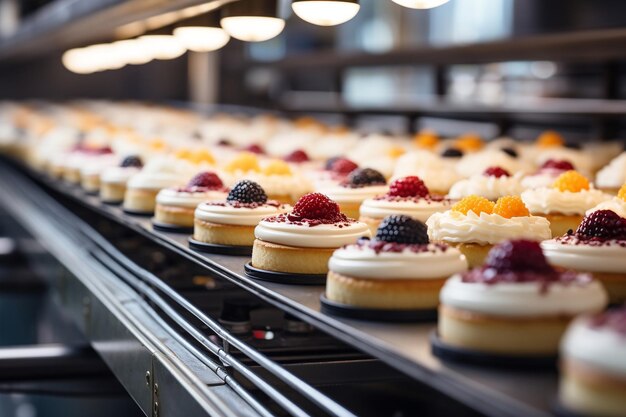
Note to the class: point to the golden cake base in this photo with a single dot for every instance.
(71, 175)
(140, 200)
(501, 335)
(561, 223)
(223, 234)
(615, 285)
(588, 391)
(177, 216)
(474, 253)
(612, 191)
(283, 198)
(371, 222)
(398, 294)
(350, 209)
(112, 193)
(90, 183)
(280, 258)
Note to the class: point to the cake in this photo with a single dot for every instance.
(598, 247)
(303, 240)
(90, 173)
(408, 196)
(474, 163)
(611, 177)
(546, 174)
(516, 304)
(176, 206)
(565, 202)
(398, 269)
(493, 183)
(475, 224)
(113, 179)
(231, 222)
(593, 365)
(281, 182)
(437, 172)
(335, 170)
(359, 185)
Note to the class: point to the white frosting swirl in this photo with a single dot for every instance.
(438, 174)
(237, 216)
(305, 236)
(609, 258)
(363, 262)
(354, 195)
(489, 187)
(156, 180)
(418, 209)
(614, 174)
(524, 299)
(475, 163)
(551, 200)
(544, 178)
(174, 197)
(601, 347)
(118, 175)
(616, 205)
(453, 226)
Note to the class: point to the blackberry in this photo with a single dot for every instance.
(402, 229)
(247, 192)
(362, 177)
(452, 153)
(132, 161)
(603, 224)
(510, 151)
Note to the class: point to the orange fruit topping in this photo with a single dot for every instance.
(510, 206)
(474, 203)
(469, 142)
(550, 139)
(571, 181)
(622, 193)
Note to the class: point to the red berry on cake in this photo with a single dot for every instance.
(206, 180)
(517, 256)
(561, 165)
(247, 192)
(317, 206)
(603, 224)
(496, 172)
(255, 148)
(297, 156)
(342, 166)
(402, 229)
(410, 186)
(363, 177)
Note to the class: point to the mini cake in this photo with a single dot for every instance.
(493, 183)
(516, 304)
(302, 241)
(113, 179)
(598, 246)
(297, 157)
(547, 174)
(176, 206)
(408, 196)
(565, 202)
(593, 365)
(81, 157)
(475, 163)
(281, 182)
(398, 269)
(335, 171)
(437, 172)
(232, 222)
(90, 173)
(475, 224)
(361, 184)
(611, 177)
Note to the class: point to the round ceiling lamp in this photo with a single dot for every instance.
(132, 51)
(326, 12)
(161, 44)
(201, 33)
(420, 4)
(252, 20)
(77, 61)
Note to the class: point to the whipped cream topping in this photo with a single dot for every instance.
(589, 256)
(238, 214)
(187, 198)
(475, 163)
(551, 200)
(598, 346)
(418, 208)
(306, 235)
(544, 178)
(616, 205)
(455, 227)
(118, 175)
(292, 185)
(614, 174)
(489, 187)
(437, 173)
(422, 262)
(156, 180)
(524, 299)
(354, 195)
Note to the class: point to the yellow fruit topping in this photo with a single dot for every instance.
(202, 156)
(426, 139)
(571, 181)
(510, 206)
(157, 144)
(395, 152)
(469, 142)
(474, 203)
(245, 161)
(550, 139)
(183, 153)
(622, 193)
(277, 167)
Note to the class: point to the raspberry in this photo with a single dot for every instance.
(277, 167)
(571, 181)
(475, 204)
(255, 148)
(550, 139)
(343, 166)
(517, 256)
(363, 177)
(245, 162)
(605, 224)
(297, 156)
(510, 206)
(316, 206)
(408, 187)
(496, 172)
(247, 192)
(510, 152)
(206, 180)
(469, 142)
(132, 161)
(561, 165)
(426, 139)
(622, 193)
(452, 153)
(402, 229)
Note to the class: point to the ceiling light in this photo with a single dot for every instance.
(201, 33)
(326, 12)
(132, 51)
(161, 44)
(420, 4)
(77, 61)
(252, 20)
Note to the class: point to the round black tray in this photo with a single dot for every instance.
(347, 311)
(492, 360)
(284, 277)
(137, 213)
(219, 249)
(171, 228)
(92, 193)
(111, 203)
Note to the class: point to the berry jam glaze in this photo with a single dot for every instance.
(429, 199)
(380, 246)
(496, 172)
(197, 189)
(238, 204)
(573, 239)
(561, 165)
(340, 221)
(614, 319)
